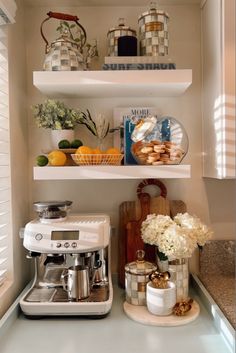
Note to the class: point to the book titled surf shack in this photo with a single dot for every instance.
(140, 66)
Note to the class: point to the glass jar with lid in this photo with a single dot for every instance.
(159, 141)
(136, 278)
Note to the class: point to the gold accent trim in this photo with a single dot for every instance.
(141, 286)
(178, 261)
(154, 26)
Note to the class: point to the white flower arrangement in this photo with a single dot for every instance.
(175, 238)
(55, 115)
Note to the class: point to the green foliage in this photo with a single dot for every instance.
(55, 115)
(86, 119)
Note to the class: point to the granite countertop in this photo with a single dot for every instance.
(223, 291)
(217, 273)
(115, 333)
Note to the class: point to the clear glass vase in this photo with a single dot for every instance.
(162, 261)
(100, 144)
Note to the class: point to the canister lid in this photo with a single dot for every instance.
(122, 26)
(140, 266)
(153, 11)
(143, 128)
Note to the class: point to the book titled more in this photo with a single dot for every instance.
(141, 66)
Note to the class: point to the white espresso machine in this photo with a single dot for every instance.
(72, 262)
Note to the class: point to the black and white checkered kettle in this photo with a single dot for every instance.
(65, 53)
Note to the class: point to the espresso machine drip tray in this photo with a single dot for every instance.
(41, 295)
(57, 295)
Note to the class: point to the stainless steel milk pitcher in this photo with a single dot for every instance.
(75, 281)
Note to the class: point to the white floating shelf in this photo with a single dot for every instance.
(133, 83)
(112, 172)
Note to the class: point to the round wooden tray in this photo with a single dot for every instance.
(65, 150)
(143, 316)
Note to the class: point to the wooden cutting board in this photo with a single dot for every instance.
(132, 214)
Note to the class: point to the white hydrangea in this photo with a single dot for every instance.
(153, 227)
(175, 238)
(200, 231)
(177, 243)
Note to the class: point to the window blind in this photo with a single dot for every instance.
(5, 181)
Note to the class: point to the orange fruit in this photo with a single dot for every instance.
(97, 151)
(84, 150)
(84, 153)
(57, 158)
(113, 156)
(113, 150)
(97, 158)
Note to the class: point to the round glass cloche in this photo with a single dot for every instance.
(159, 141)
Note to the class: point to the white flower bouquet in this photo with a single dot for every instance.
(55, 115)
(175, 238)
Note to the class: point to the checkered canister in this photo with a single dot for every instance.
(179, 274)
(136, 279)
(153, 33)
(116, 32)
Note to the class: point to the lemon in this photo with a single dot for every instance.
(84, 150)
(42, 160)
(113, 150)
(57, 158)
(76, 144)
(64, 144)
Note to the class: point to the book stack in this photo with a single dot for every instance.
(137, 63)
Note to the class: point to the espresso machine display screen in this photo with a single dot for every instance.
(65, 235)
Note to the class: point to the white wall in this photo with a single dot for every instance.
(19, 157)
(212, 201)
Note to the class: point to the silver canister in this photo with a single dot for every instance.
(116, 32)
(153, 32)
(136, 278)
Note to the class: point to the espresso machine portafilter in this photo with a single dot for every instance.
(72, 262)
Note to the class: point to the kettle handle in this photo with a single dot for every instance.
(61, 16)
